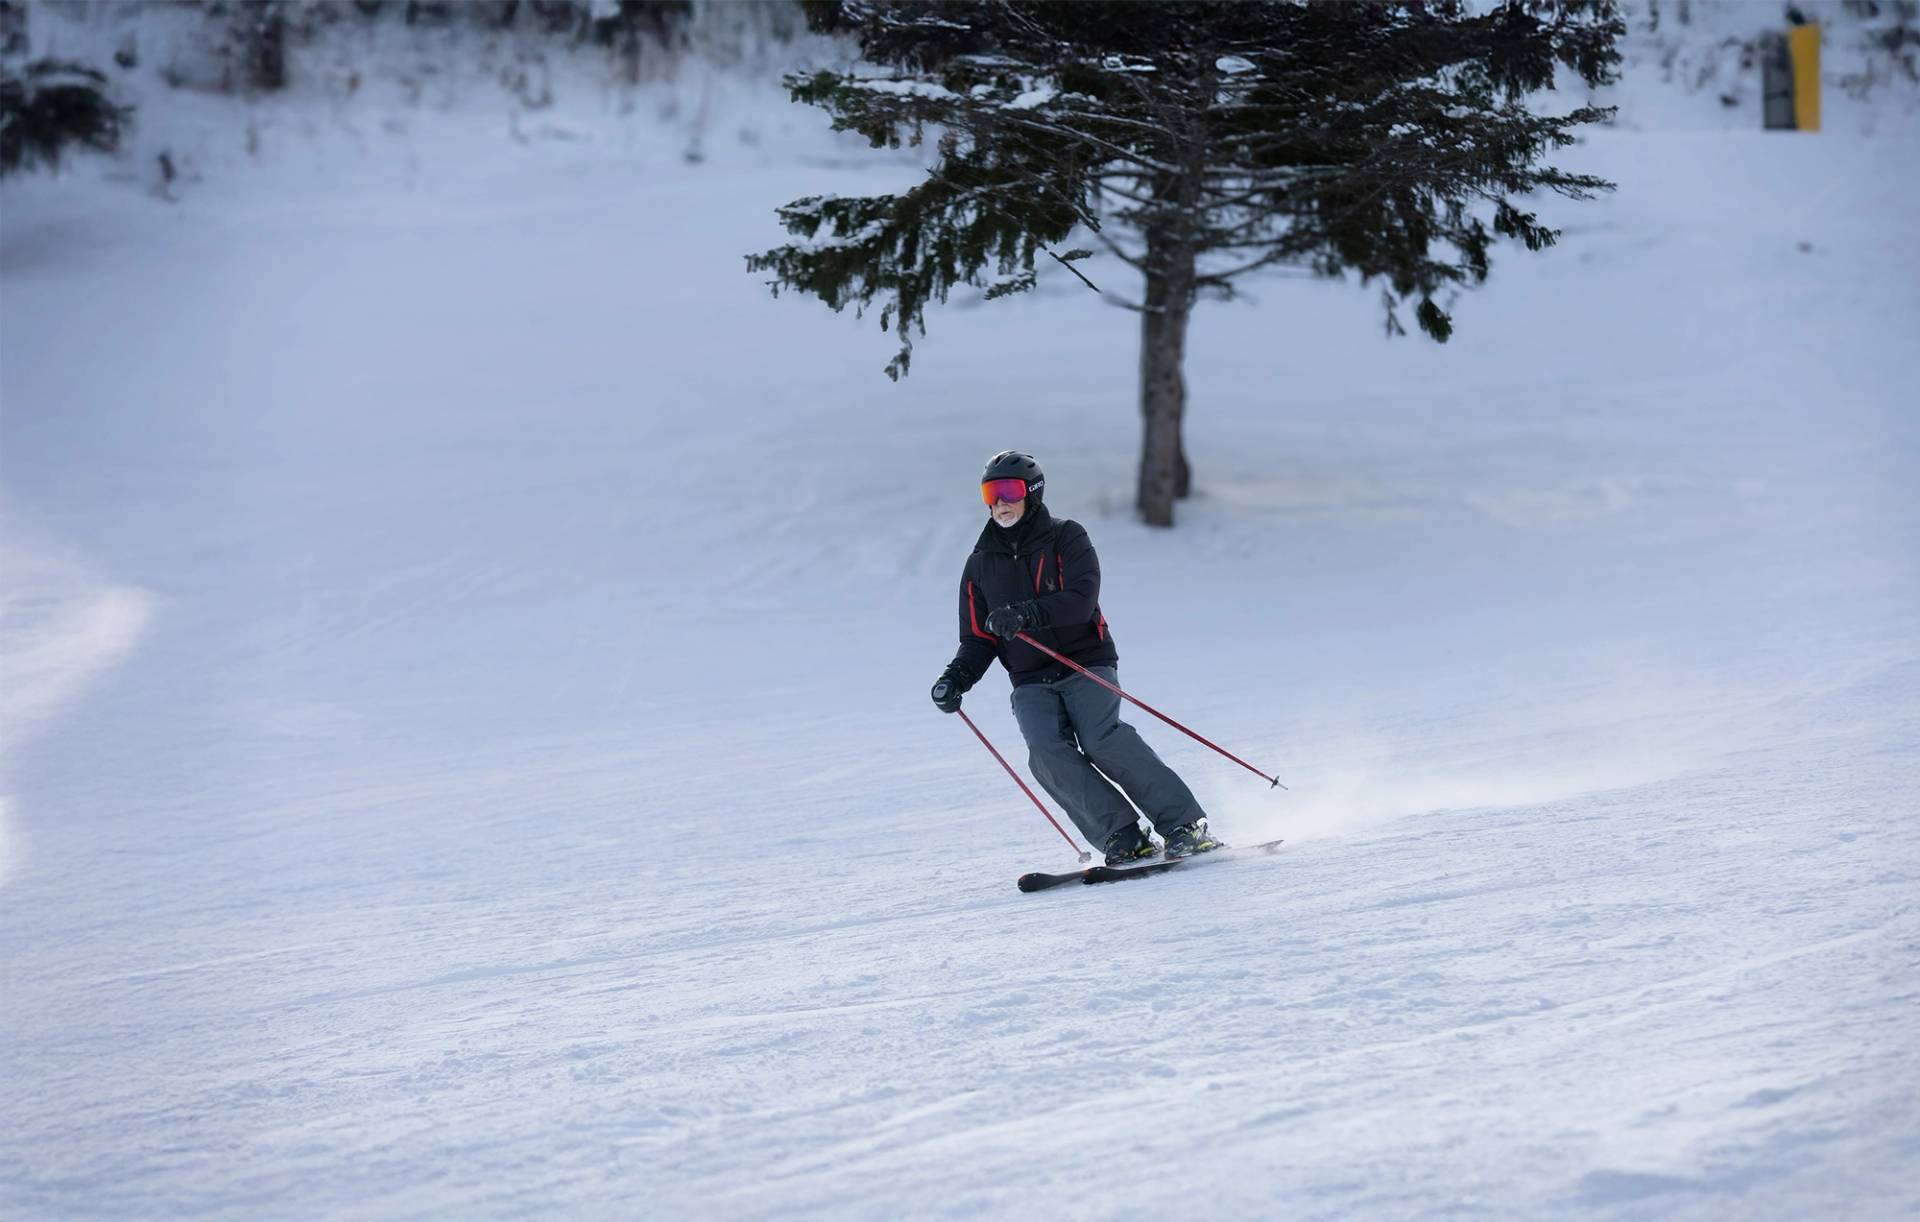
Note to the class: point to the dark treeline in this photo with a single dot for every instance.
(261, 31)
(49, 106)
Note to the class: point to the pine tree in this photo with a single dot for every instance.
(51, 105)
(1197, 143)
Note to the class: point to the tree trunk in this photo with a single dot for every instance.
(1164, 473)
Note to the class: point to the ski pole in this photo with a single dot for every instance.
(1078, 851)
(1149, 708)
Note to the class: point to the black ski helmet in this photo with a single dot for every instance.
(1012, 464)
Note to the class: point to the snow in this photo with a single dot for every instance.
(467, 752)
(1034, 98)
(908, 89)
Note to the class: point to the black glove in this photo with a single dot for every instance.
(1011, 620)
(946, 693)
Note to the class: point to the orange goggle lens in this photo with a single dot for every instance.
(1009, 490)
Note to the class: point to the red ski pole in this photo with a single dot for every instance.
(1078, 851)
(1149, 708)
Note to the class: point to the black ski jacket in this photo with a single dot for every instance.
(1050, 562)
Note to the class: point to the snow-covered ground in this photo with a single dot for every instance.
(467, 749)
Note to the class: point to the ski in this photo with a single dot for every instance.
(1116, 874)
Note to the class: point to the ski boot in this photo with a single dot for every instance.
(1190, 838)
(1128, 844)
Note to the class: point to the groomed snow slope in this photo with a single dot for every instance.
(468, 750)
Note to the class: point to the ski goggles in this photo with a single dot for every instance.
(1008, 490)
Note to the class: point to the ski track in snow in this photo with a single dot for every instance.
(527, 802)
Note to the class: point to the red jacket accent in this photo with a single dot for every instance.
(974, 619)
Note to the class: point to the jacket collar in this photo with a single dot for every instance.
(1033, 525)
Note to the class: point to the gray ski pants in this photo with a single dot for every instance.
(1074, 735)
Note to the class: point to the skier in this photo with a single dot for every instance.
(1034, 573)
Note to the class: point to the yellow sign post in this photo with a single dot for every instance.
(1803, 42)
